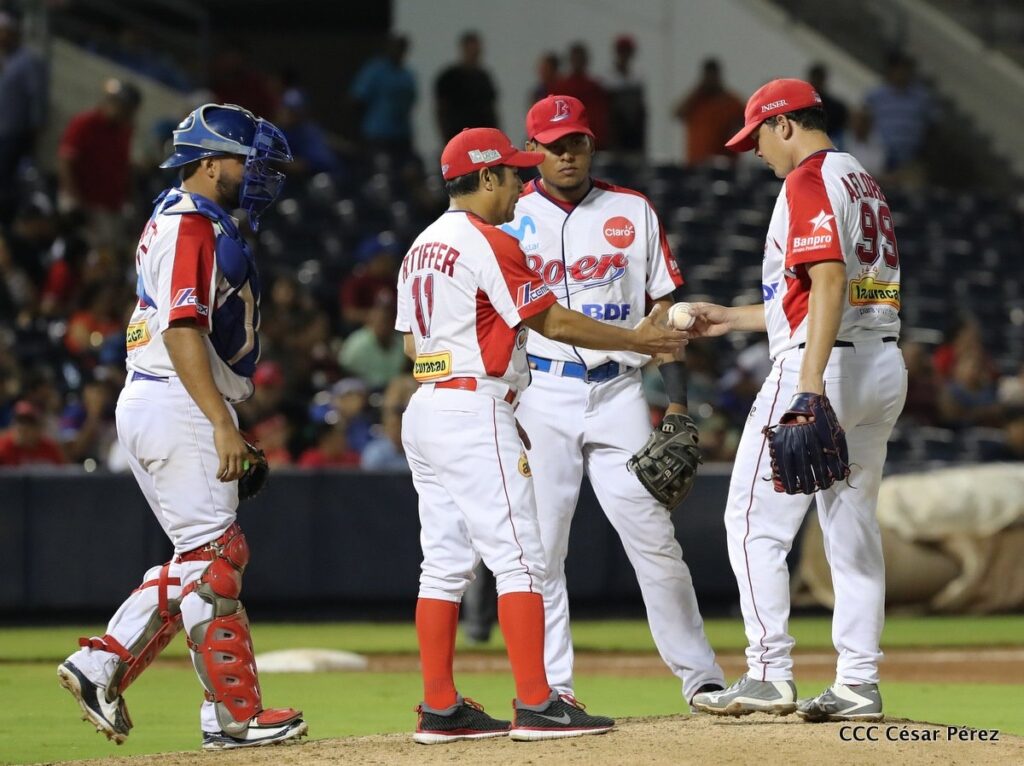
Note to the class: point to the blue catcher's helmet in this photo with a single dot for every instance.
(217, 129)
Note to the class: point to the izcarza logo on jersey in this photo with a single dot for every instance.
(584, 273)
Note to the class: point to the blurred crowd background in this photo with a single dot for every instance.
(333, 381)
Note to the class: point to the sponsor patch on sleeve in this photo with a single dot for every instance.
(432, 366)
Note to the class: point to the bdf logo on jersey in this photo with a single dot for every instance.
(619, 231)
(583, 273)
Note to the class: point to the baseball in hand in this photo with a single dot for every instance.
(679, 316)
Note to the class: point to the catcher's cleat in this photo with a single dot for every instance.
(748, 696)
(269, 727)
(110, 717)
(560, 716)
(465, 719)
(843, 702)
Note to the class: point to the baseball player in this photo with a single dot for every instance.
(192, 349)
(831, 310)
(466, 298)
(600, 250)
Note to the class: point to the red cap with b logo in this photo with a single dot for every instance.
(556, 116)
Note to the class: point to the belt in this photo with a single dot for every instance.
(470, 384)
(145, 376)
(849, 344)
(598, 374)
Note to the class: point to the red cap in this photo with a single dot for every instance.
(476, 148)
(556, 116)
(775, 97)
(268, 374)
(26, 410)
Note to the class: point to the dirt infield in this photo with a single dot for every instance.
(699, 740)
(998, 666)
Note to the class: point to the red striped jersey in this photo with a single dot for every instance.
(830, 208)
(463, 291)
(604, 257)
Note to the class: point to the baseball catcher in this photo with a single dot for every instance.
(667, 464)
(808, 446)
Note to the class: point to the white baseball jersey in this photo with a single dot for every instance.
(603, 257)
(830, 208)
(179, 277)
(463, 292)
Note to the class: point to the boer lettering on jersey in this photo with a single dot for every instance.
(584, 273)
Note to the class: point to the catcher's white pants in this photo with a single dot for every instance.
(129, 622)
(867, 386)
(475, 493)
(577, 426)
(171, 452)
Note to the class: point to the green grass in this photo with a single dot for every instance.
(164, 703)
(55, 643)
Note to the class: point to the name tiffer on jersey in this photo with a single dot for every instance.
(431, 255)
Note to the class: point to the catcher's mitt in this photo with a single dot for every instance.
(667, 464)
(256, 472)
(808, 456)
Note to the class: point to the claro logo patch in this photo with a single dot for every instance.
(868, 290)
(619, 231)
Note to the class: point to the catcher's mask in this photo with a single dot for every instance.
(217, 129)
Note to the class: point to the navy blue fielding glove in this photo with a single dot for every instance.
(808, 456)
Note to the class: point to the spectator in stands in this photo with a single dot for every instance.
(94, 160)
(627, 107)
(331, 451)
(25, 442)
(385, 88)
(969, 396)
(311, 147)
(17, 293)
(739, 384)
(1013, 431)
(87, 428)
(98, 318)
(294, 327)
(30, 236)
(837, 115)
(376, 271)
(384, 452)
(272, 436)
(903, 111)
(579, 84)
(464, 93)
(1011, 389)
(962, 336)
(548, 73)
(235, 79)
(24, 99)
(375, 352)
(348, 401)
(268, 397)
(862, 141)
(711, 113)
(923, 386)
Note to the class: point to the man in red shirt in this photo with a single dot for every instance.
(94, 156)
(592, 93)
(24, 443)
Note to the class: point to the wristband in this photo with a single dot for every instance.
(675, 375)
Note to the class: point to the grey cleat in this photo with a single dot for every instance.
(842, 702)
(749, 696)
(562, 715)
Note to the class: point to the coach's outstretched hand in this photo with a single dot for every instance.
(654, 335)
(709, 320)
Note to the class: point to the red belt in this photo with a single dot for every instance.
(469, 384)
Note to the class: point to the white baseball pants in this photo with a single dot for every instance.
(867, 386)
(475, 494)
(577, 426)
